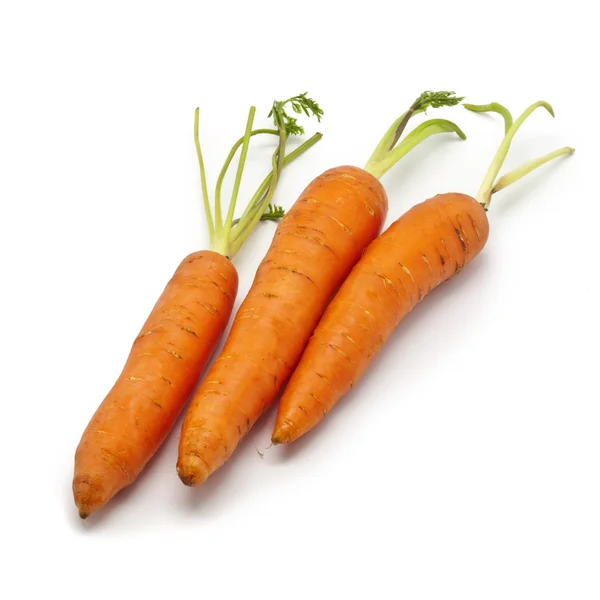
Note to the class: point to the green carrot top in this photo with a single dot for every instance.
(228, 234)
(390, 149)
(490, 184)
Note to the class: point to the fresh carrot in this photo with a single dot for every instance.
(425, 247)
(315, 246)
(181, 332)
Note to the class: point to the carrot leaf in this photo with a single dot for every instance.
(209, 220)
(529, 166)
(227, 236)
(274, 212)
(256, 206)
(234, 233)
(387, 153)
(489, 185)
(493, 107)
(300, 104)
(413, 139)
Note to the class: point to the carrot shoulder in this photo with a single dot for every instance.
(425, 247)
(315, 247)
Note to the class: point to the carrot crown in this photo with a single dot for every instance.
(390, 149)
(227, 235)
(490, 184)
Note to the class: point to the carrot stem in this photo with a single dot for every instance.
(484, 196)
(493, 107)
(248, 223)
(529, 166)
(387, 153)
(228, 160)
(237, 230)
(385, 144)
(209, 220)
(258, 199)
(222, 240)
(223, 234)
(420, 134)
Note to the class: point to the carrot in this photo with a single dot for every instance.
(425, 247)
(180, 334)
(315, 246)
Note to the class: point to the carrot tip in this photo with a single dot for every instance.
(281, 437)
(187, 479)
(83, 514)
(192, 471)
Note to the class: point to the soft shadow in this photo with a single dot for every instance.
(411, 324)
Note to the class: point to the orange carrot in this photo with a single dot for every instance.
(425, 247)
(179, 336)
(315, 246)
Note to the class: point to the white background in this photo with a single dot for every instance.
(465, 464)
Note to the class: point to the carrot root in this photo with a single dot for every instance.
(161, 371)
(429, 244)
(315, 246)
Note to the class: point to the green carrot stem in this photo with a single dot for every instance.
(261, 198)
(484, 196)
(257, 199)
(385, 144)
(420, 134)
(493, 107)
(225, 168)
(223, 236)
(528, 167)
(386, 152)
(209, 220)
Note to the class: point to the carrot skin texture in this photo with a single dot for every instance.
(161, 371)
(425, 247)
(314, 248)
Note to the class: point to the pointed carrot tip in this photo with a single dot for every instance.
(88, 495)
(192, 470)
(282, 435)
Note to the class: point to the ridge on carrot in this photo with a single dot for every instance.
(184, 326)
(315, 246)
(426, 246)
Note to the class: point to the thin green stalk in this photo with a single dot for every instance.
(493, 107)
(251, 220)
(528, 167)
(225, 168)
(420, 134)
(209, 220)
(258, 199)
(387, 153)
(247, 225)
(385, 144)
(484, 196)
(223, 235)
(286, 125)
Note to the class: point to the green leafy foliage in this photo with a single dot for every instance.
(274, 212)
(434, 100)
(300, 104)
